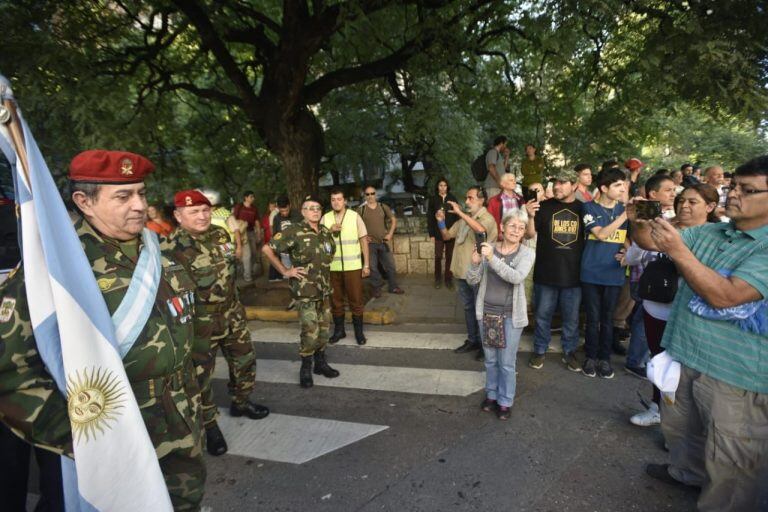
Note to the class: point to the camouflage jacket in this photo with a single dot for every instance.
(211, 259)
(158, 365)
(312, 250)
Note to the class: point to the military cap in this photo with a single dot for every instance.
(311, 198)
(566, 175)
(634, 164)
(189, 198)
(102, 166)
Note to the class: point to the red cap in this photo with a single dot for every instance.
(633, 164)
(189, 198)
(101, 166)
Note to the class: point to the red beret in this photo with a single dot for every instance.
(101, 166)
(633, 164)
(190, 198)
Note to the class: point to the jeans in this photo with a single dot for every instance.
(443, 247)
(467, 296)
(546, 300)
(381, 252)
(500, 377)
(599, 305)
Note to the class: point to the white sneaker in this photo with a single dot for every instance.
(648, 417)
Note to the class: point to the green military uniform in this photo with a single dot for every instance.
(159, 367)
(314, 251)
(212, 262)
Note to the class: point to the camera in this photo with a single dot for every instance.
(531, 195)
(480, 239)
(647, 210)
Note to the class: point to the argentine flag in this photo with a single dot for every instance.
(115, 466)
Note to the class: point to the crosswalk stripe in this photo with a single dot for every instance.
(391, 339)
(376, 339)
(423, 381)
(291, 439)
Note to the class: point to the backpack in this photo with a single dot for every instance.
(479, 169)
(658, 281)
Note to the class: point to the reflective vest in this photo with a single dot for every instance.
(348, 254)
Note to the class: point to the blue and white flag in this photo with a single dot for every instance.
(116, 465)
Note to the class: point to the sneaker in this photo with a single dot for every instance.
(589, 367)
(449, 285)
(636, 371)
(604, 370)
(438, 284)
(661, 472)
(536, 361)
(468, 346)
(647, 418)
(571, 362)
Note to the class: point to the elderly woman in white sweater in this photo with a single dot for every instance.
(500, 270)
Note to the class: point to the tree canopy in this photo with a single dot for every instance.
(268, 95)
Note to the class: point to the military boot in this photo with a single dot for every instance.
(214, 441)
(305, 374)
(357, 322)
(338, 330)
(252, 410)
(322, 368)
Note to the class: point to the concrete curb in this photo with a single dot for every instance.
(380, 316)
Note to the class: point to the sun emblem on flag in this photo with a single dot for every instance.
(94, 399)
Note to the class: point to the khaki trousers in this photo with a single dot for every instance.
(718, 439)
(347, 284)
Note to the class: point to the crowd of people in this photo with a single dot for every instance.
(676, 263)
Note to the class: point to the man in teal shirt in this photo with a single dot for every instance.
(717, 429)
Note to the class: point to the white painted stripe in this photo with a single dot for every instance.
(291, 439)
(386, 339)
(397, 379)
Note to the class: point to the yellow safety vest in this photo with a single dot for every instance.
(348, 254)
(219, 216)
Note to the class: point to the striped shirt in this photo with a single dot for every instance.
(719, 348)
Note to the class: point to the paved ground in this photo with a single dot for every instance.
(568, 445)
(401, 429)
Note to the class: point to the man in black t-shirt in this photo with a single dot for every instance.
(556, 273)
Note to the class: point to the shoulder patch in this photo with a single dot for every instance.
(278, 236)
(7, 307)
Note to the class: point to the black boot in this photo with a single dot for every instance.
(249, 409)
(357, 323)
(338, 330)
(214, 441)
(305, 374)
(322, 368)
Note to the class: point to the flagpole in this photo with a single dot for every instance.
(17, 137)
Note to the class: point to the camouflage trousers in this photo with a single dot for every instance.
(315, 321)
(170, 407)
(229, 331)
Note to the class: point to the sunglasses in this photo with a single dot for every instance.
(314, 208)
(745, 191)
(370, 193)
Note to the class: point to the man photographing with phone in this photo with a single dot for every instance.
(465, 232)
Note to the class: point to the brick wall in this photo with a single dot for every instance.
(413, 251)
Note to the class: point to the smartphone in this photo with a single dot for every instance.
(480, 239)
(531, 195)
(647, 210)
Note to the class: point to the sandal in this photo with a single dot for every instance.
(503, 413)
(488, 405)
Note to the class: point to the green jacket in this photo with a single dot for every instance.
(159, 364)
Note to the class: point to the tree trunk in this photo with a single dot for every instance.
(407, 165)
(298, 142)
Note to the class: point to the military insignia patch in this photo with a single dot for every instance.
(7, 308)
(278, 236)
(105, 283)
(126, 167)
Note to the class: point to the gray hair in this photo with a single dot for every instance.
(91, 190)
(514, 214)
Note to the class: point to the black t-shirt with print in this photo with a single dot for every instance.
(559, 243)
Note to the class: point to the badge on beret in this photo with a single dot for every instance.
(188, 200)
(7, 308)
(126, 167)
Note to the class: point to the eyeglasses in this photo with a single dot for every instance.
(745, 191)
(314, 208)
(370, 193)
(516, 227)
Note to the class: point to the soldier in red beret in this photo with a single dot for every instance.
(211, 258)
(108, 192)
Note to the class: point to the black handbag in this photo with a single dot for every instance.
(658, 281)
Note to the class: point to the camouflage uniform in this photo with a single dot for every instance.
(159, 367)
(212, 262)
(314, 251)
